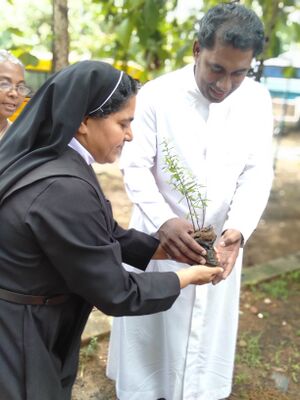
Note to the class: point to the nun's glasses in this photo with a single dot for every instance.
(21, 89)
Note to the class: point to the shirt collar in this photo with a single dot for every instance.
(75, 145)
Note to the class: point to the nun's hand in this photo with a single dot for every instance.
(198, 275)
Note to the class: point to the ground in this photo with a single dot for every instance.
(268, 349)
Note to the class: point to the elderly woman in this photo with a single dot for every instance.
(61, 250)
(12, 88)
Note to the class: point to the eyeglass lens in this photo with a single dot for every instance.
(21, 89)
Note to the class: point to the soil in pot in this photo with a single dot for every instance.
(206, 237)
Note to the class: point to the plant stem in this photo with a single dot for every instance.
(185, 183)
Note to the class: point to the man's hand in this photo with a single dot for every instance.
(175, 236)
(227, 251)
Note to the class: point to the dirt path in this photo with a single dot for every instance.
(278, 232)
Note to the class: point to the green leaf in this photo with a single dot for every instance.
(134, 5)
(289, 72)
(151, 15)
(28, 59)
(124, 31)
(142, 32)
(15, 31)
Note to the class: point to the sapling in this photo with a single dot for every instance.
(185, 183)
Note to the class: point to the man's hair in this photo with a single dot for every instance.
(7, 56)
(234, 25)
(127, 88)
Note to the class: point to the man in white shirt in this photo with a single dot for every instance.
(220, 124)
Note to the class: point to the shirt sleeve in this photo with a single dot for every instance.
(255, 182)
(137, 162)
(137, 247)
(75, 233)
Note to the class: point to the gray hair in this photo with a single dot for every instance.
(7, 56)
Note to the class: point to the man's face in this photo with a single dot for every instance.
(220, 70)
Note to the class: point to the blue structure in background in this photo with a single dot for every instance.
(281, 75)
(278, 84)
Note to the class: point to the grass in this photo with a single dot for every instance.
(278, 288)
(268, 341)
(249, 349)
(86, 352)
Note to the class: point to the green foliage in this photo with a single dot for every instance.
(91, 347)
(28, 58)
(291, 363)
(145, 31)
(280, 288)
(26, 28)
(241, 378)
(185, 183)
(148, 32)
(86, 353)
(294, 276)
(289, 72)
(277, 289)
(250, 353)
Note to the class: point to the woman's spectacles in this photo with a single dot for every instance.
(21, 89)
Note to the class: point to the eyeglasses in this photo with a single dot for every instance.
(21, 89)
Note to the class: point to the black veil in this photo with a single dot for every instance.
(52, 117)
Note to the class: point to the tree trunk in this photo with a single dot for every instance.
(60, 44)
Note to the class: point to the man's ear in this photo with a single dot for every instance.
(196, 48)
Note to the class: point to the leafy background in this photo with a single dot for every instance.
(157, 35)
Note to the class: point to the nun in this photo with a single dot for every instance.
(61, 250)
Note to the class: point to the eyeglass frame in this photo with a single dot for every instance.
(10, 87)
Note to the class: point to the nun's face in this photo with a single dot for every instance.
(104, 138)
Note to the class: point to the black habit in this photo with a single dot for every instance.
(58, 236)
